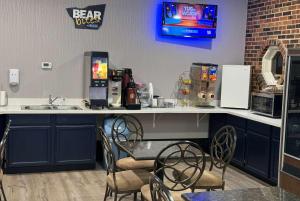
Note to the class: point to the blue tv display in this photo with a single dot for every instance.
(189, 20)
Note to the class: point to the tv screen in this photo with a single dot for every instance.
(189, 20)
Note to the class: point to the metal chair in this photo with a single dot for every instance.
(158, 190)
(221, 152)
(122, 182)
(128, 129)
(2, 154)
(172, 164)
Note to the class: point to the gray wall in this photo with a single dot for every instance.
(33, 31)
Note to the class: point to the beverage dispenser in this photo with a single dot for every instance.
(115, 88)
(203, 77)
(96, 79)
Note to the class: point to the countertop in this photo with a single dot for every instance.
(14, 107)
(253, 194)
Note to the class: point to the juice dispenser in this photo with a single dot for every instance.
(96, 79)
(203, 86)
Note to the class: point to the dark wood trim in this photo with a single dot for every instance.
(289, 183)
(291, 161)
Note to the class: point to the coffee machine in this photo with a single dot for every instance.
(96, 79)
(129, 91)
(115, 88)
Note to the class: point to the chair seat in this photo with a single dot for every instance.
(129, 163)
(209, 179)
(146, 193)
(129, 180)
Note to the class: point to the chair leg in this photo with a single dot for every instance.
(116, 196)
(106, 192)
(2, 189)
(135, 196)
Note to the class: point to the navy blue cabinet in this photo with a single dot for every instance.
(275, 144)
(257, 154)
(240, 126)
(2, 125)
(75, 144)
(239, 154)
(257, 147)
(29, 146)
(51, 142)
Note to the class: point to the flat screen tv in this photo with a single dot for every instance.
(189, 20)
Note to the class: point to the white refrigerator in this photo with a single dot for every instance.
(235, 86)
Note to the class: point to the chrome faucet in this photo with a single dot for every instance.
(51, 100)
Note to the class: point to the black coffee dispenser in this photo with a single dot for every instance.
(96, 79)
(130, 97)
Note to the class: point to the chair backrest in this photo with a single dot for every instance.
(109, 156)
(222, 147)
(127, 128)
(3, 143)
(181, 165)
(158, 190)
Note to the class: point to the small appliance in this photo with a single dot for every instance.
(235, 86)
(127, 76)
(203, 82)
(129, 91)
(115, 89)
(267, 104)
(96, 79)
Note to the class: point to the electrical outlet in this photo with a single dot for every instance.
(14, 78)
(46, 65)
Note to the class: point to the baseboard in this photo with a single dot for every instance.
(289, 183)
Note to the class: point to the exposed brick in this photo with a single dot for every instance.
(270, 22)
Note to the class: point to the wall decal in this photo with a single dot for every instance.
(90, 17)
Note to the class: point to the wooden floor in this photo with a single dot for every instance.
(86, 185)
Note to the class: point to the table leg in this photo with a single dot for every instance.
(160, 172)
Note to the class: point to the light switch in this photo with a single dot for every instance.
(14, 77)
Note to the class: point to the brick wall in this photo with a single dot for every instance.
(270, 22)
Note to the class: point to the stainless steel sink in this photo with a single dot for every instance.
(50, 107)
(67, 107)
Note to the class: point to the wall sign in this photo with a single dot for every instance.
(90, 17)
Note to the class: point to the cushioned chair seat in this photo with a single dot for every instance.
(129, 163)
(129, 180)
(145, 190)
(208, 179)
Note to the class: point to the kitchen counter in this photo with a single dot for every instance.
(15, 108)
(253, 194)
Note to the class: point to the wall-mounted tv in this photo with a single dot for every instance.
(189, 20)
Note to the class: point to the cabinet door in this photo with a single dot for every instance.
(216, 121)
(29, 146)
(275, 146)
(239, 154)
(75, 144)
(257, 153)
(274, 160)
(2, 126)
